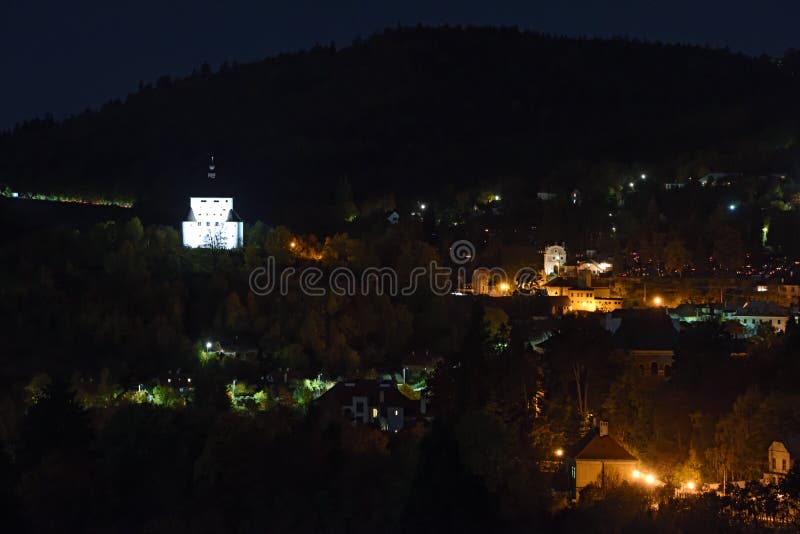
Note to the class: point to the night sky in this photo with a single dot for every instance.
(61, 57)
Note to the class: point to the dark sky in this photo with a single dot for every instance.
(62, 56)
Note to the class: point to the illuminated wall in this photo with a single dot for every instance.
(555, 257)
(210, 224)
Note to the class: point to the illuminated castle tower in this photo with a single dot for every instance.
(212, 222)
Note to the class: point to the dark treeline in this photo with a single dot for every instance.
(410, 110)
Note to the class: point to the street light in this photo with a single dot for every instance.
(690, 486)
(559, 452)
(650, 479)
(731, 207)
(644, 176)
(658, 301)
(636, 473)
(208, 345)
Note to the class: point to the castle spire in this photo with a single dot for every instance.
(212, 169)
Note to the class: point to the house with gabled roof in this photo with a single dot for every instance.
(599, 459)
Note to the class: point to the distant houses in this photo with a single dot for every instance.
(741, 322)
(375, 402)
(582, 294)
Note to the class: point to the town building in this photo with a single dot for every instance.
(376, 402)
(583, 296)
(753, 314)
(788, 293)
(781, 456)
(599, 459)
(212, 221)
(555, 257)
(647, 336)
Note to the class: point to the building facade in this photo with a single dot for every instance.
(555, 257)
(212, 222)
(780, 457)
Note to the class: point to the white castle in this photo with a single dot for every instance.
(212, 222)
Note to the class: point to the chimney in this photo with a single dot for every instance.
(603, 428)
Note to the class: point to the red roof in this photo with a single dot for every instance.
(600, 448)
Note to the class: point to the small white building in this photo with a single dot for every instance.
(212, 222)
(780, 457)
(555, 257)
(755, 313)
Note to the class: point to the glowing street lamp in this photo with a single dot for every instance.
(293, 244)
(690, 486)
(559, 452)
(208, 345)
(658, 301)
(644, 176)
(636, 473)
(731, 207)
(650, 479)
(504, 287)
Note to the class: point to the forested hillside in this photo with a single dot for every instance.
(411, 111)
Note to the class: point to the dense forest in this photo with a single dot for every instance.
(419, 111)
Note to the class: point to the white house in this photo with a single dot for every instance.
(755, 313)
(780, 457)
(212, 222)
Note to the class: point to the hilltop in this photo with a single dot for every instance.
(411, 111)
